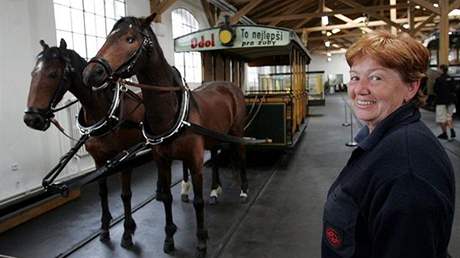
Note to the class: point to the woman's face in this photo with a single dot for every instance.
(376, 91)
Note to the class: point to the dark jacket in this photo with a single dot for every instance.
(395, 197)
(444, 88)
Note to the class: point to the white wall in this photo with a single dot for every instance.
(337, 65)
(26, 155)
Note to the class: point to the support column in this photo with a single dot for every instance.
(444, 32)
(393, 17)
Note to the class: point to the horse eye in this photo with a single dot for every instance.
(130, 40)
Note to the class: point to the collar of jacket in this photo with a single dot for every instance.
(404, 115)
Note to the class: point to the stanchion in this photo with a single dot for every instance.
(346, 119)
(352, 142)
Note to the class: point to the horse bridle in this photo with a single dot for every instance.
(48, 113)
(126, 69)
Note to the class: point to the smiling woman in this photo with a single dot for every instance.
(395, 196)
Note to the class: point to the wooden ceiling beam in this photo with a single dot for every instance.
(427, 5)
(338, 36)
(454, 5)
(272, 9)
(160, 7)
(354, 4)
(245, 10)
(319, 14)
(209, 12)
(288, 9)
(420, 26)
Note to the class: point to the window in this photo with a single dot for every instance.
(188, 64)
(84, 24)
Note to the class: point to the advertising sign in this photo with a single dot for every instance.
(245, 37)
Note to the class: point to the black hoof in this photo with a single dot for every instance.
(104, 236)
(168, 246)
(213, 200)
(200, 253)
(185, 198)
(127, 242)
(243, 199)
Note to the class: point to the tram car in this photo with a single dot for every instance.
(454, 65)
(277, 100)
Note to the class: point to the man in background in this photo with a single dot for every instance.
(444, 89)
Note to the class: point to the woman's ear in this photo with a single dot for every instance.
(413, 88)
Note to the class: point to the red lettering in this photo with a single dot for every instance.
(201, 44)
(212, 40)
(194, 43)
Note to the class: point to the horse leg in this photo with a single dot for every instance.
(106, 216)
(129, 224)
(164, 195)
(216, 188)
(198, 203)
(241, 162)
(185, 185)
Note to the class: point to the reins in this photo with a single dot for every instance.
(152, 87)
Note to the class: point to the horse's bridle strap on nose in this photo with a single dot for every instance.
(103, 62)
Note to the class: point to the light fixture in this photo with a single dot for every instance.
(328, 54)
(324, 20)
(335, 45)
(328, 33)
(329, 59)
(436, 5)
(417, 7)
(406, 26)
(455, 12)
(327, 43)
(336, 30)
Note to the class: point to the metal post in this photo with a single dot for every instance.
(346, 119)
(352, 142)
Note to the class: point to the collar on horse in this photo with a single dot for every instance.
(107, 123)
(180, 121)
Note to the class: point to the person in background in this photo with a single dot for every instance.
(395, 196)
(444, 88)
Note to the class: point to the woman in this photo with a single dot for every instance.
(395, 196)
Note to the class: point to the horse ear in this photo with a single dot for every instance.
(44, 45)
(149, 19)
(62, 44)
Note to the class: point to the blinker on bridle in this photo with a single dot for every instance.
(48, 113)
(126, 69)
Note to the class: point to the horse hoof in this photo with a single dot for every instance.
(243, 197)
(200, 253)
(185, 198)
(168, 246)
(104, 236)
(213, 200)
(127, 242)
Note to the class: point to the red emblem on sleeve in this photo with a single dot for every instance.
(333, 237)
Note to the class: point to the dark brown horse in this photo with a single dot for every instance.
(59, 70)
(132, 48)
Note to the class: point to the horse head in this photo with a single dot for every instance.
(126, 47)
(51, 78)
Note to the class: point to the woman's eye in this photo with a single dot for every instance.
(130, 40)
(354, 78)
(374, 78)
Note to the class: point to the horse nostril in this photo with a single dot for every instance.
(99, 71)
(33, 121)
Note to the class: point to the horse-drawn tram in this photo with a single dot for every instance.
(277, 104)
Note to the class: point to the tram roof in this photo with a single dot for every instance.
(255, 44)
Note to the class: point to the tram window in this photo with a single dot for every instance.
(188, 64)
(85, 23)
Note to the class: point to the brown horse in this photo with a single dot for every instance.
(59, 70)
(132, 48)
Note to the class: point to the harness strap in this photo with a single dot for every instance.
(198, 129)
(152, 87)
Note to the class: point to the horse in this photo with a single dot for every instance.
(132, 48)
(58, 70)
